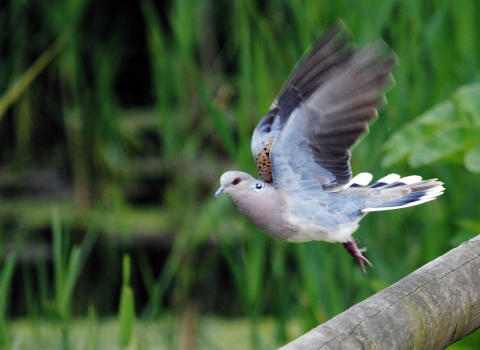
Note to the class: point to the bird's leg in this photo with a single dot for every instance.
(353, 250)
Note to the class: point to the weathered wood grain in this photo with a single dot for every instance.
(431, 308)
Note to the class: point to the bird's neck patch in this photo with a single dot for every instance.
(258, 187)
(262, 160)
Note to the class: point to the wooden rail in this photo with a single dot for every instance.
(431, 308)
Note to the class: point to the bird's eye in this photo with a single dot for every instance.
(236, 181)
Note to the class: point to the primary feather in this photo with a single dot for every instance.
(336, 91)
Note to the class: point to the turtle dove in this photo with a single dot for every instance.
(301, 149)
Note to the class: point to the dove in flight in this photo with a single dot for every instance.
(302, 148)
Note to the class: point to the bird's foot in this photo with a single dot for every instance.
(353, 250)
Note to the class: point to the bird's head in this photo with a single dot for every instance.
(233, 182)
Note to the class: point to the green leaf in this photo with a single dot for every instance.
(26, 79)
(472, 159)
(127, 306)
(400, 145)
(443, 131)
(6, 274)
(73, 270)
(126, 316)
(443, 144)
(420, 136)
(126, 270)
(444, 112)
(467, 101)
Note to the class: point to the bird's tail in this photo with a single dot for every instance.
(393, 192)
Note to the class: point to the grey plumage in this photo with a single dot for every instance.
(302, 149)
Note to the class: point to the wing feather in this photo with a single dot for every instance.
(327, 53)
(322, 111)
(323, 128)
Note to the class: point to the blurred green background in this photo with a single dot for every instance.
(117, 119)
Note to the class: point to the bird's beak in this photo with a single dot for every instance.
(220, 191)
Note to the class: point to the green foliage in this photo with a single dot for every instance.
(23, 82)
(6, 274)
(126, 313)
(67, 267)
(443, 133)
(92, 329)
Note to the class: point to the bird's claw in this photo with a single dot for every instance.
(353, 250)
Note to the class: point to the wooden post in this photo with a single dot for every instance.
(431, 308)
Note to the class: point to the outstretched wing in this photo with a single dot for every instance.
(327, 53)
(311, 147)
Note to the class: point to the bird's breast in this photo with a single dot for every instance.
(268, 212)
